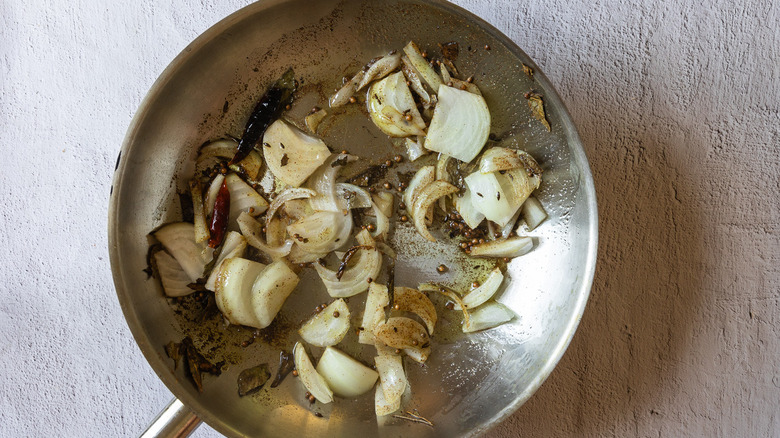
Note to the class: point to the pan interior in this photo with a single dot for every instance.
(470, 382)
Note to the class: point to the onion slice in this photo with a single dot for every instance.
(382, 406)
(344, 375)
(424, 176)
(374, 313)
(323, 183)
(342, 96)
(321, 232)
(233, 290)
(414, 301)
(414, 148)
(243, 198)
(252, 231)
(211, 193)
(496, 159)
(270, 290)
(392, 109)
(291, 154)
(233, 246)
(421, 65)
(178, 238)
(460, 124)
(314, 119)
(353, 196)
(428, 195)
(402, 332)
(490, 197)
(392, 381)
(484, 292)
(355, 279)
(429, 287)
(509, 247)
(309, 376)
(384, 202)
(466, 210)
(327, 327)
(173, 278)
(287, 194)
(533, 213)
(442, 174)
(201, 228)
(489, 315)
(380, 68)
(413, 76)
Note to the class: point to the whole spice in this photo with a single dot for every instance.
(219, 218)
(268, 109)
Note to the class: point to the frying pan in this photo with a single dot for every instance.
(470, 383)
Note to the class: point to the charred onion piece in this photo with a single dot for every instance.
(219, 217)
(266, 111)
(411, 300)
(428, 195)
(402, 332)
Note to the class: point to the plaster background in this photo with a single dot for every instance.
(677, 103)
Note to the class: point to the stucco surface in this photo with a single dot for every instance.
(677, 103)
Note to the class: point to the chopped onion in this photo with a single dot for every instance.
(380, 68)
(442, 174)
(173, 278)
(429, 287)
(392, 380)
(529, 163)
(296, 209)
(497, 158)
(328, 327)
(374, 313)
(321, 232)
(414, 149)
(428, 195)
(414, 301)
(270, 290)
(309, 376)
(445, 74)
(460, 124)
(233, 246)
(253, 230)
(384, 202)
(178, 238)
(509, 247)
(466, 210)
(392, 109)
(299, 255)
(314, 119)
(484, 292)
(418, 354)
(490, 198)
(201, 228)
(287, 194)
(225, 149)
(421, 65)
(354, 280)
(489, 315)
(243, 198)
(342, 96)
(424, 176)
(533, 212)
(402, 332)
(353, 196)
(344, 375)
(323, 182)
(291, 154)
(520, 185)
(413, 76)
(211, 194)
(233, 290)
(382, 406)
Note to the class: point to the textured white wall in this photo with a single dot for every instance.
(677, 102)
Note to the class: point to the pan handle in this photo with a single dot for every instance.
(175, 421)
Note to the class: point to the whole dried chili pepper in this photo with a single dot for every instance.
(268, 109)
(219, 218)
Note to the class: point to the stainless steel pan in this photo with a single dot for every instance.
(470, 383)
